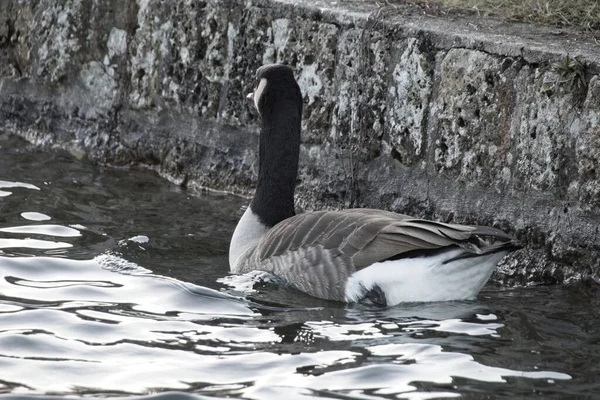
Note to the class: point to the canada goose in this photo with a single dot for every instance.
(348, 255)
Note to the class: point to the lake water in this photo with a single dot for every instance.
(114, 282)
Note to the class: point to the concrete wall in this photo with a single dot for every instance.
(459, 119)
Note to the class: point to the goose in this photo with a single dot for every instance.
(350, 255)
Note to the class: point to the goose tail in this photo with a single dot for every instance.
(455, 273)
(483, 248)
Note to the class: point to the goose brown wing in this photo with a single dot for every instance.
(366, 236)
(418, 236)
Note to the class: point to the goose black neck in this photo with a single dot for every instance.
(278, 163)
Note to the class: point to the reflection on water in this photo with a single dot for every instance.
(114, 282)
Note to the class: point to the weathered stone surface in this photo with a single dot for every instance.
(408, 101)
(585, 184)
(471, 117)
(466, 121)
(180, 57)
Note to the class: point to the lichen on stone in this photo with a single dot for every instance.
(408, 102)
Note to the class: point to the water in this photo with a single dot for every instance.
(114, 283)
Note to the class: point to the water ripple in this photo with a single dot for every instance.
(50, 230)
(10, 185)
(35, 216)
(32, 244)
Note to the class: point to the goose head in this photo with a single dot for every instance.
(276, 84)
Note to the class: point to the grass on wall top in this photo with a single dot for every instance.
(584, 14)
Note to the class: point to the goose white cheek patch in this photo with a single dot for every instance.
(258, 92)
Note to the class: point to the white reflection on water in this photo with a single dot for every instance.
(137, 369)
(332, 331)
(11, 184)
(35, 216)
(32, 244)
(50, 230)
(414, 363)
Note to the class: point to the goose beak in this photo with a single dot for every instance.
(251, 104)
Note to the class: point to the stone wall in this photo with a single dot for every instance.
(459, 118)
